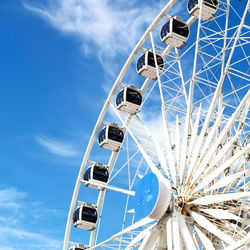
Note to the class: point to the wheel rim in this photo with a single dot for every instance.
(204, 149)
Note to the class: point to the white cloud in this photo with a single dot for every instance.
(10, 238)
(63, 149)
(104, 27)
(39, 210)
(10, 197)
(17, 215)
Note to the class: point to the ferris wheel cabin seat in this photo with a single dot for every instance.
(85, 216)
(129, 100)
(96, 175)
(146, 65)
(209, 8)
(175, 32)
(111, 137)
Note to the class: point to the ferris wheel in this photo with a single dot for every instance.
(167, 164)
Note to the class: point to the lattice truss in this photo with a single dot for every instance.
(199, 141)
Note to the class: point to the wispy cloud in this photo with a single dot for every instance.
(104, 27)
(10, 198)
(13, 238)
(59, 148)
(17, 215)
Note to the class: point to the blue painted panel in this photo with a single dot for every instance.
(146, 195)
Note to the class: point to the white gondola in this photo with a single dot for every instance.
(175, 32)
(85, 216)
(96, 176)
(209, 7)
(129, 100)
(146, 65)
(111, 137)
(78, 246)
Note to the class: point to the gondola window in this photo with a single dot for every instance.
(180, 28)
(141, 62)
(115, 134)
(89, 214)
(133, 97)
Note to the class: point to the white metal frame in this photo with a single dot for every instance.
(199, 153)
(100, 118)
(206, 14)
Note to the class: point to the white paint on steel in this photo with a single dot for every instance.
(245, 242)
(189, 104)
(102, 114)
(176, 237)
(225, 181)
(169, 230)
(205, 241)
(224, 166)
(164, 118)
(217, 198)
(203, 222)
(222, 214)
(150, 239)
(217, 92)
(117, 189)
(224, 131)
(186, 235)
(140, 236)
(152, 166)
(204, 158)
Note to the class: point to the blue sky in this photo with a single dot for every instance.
(55, 74)
(59, 59)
